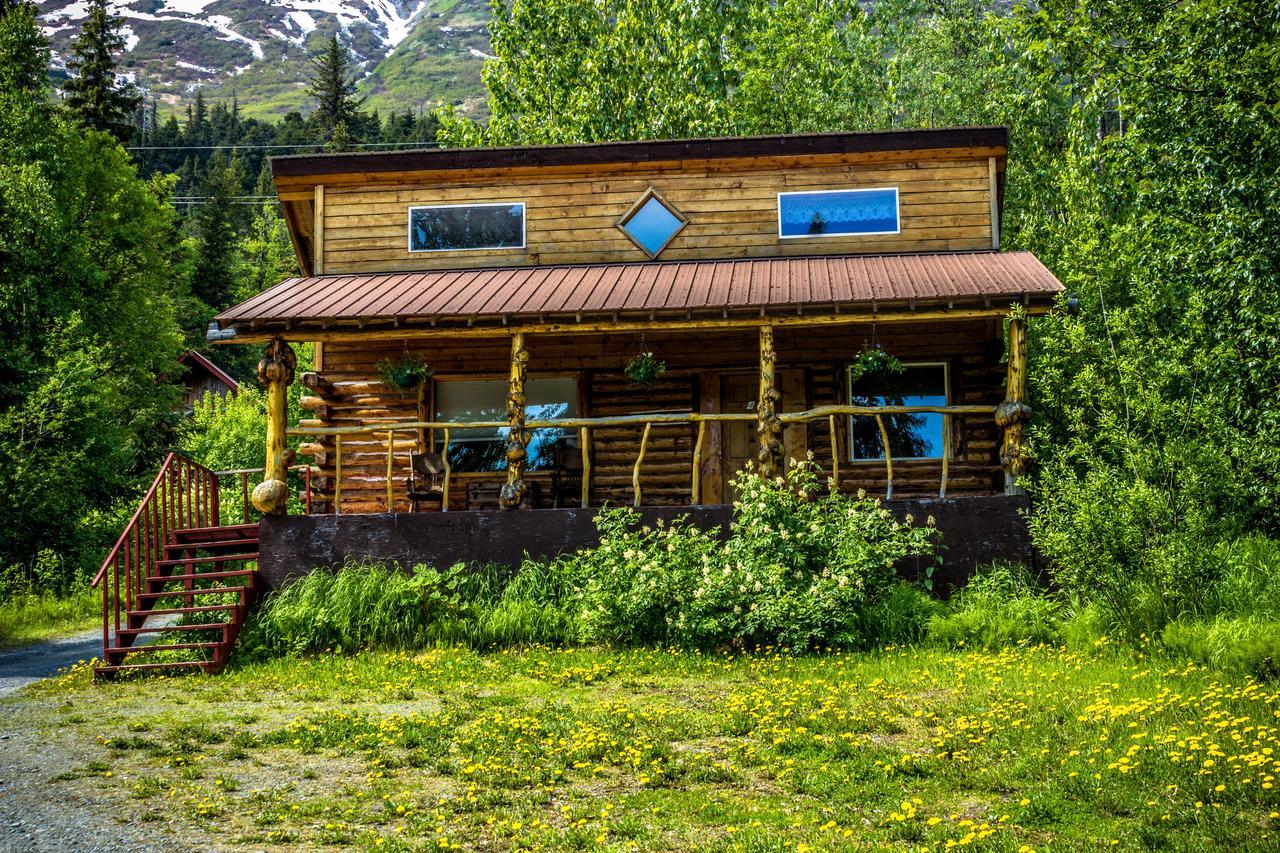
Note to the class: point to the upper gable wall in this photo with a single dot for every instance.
(946, 202)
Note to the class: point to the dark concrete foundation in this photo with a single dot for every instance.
(974, 531)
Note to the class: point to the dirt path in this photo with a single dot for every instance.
(22, 665)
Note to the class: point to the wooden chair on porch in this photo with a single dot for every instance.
(426, 480)
(566, 478)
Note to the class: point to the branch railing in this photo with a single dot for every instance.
(647, 422)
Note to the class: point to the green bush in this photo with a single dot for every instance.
(373, 605)
(1001, 605)
(798, 570)
(1248, 644)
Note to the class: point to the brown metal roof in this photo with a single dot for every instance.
(643, 151)
(656, 288)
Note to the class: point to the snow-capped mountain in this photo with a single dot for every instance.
(412, 52)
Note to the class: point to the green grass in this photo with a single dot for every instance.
(1029, 747)
(31, 618)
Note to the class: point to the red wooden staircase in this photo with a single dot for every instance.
(177, 586)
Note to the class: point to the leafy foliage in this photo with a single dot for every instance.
(644, 369)
(88, 334)
(797, 570)
(404, 373)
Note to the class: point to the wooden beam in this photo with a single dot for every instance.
(584, 440)
(391, 452)
(994, 191)
(448, 473)
(407, 333)
(513, 492)
(711, 485)
(275, 371)
(337, 475)
(768, 424)
(317, 238)
(1013, 414)
(888, 458)
(635, 472)
(835, 454)
(695, 489)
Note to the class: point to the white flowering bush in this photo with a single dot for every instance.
(799, 569)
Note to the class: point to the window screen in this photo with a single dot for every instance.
(914, 436)
(838, 213)
(466, 226)
(475, 450)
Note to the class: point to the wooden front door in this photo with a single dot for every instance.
(738, 440)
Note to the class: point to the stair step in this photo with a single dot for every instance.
(160, 647)
(197, 591)
(181, 611)
(121, 667)
(221, 558)
(160, 628)
(225, 528)
(195, 576)
(245, 546)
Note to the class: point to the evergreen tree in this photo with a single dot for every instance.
(216, 223)
(334, 91)
(94, 95)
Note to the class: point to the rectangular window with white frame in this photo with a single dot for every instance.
(484, 450)
(911, 436)
(838, 213)
(464, 227)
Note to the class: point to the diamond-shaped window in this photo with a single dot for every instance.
(652, 223)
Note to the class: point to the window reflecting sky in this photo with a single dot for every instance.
(652, 225)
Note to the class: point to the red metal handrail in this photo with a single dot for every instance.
(184, 494)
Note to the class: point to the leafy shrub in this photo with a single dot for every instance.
(1249, 644)
(797, 570)
(374, 605)
(1001, 605)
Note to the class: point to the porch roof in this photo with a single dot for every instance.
(573, 293)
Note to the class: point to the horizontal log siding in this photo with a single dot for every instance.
(972, 349)
(945, 205)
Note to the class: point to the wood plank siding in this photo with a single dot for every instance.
(945, 205)
(811, 370)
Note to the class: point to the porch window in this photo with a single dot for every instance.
(838, 213)
(452, 227)
(481, 450)
(911, 436)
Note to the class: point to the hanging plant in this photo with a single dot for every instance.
(873, 361)
(644, 369)
(404, 373)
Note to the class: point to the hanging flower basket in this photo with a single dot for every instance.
(406, 373)
(873, 361)
(645, 370)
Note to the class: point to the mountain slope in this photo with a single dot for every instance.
(413, 53)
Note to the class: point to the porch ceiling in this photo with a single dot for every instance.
(713, 288)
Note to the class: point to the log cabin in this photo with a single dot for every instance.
(634, 323)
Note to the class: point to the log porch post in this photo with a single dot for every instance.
(275, 371)
(768, 424)
(513, 491)
(1012, 414)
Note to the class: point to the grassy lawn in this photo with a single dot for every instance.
(1039, 748)
(31, 618)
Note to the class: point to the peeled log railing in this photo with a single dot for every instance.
(647, 422)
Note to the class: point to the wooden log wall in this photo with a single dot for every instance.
(811, 365)
(732, 208)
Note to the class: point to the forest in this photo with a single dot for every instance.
(1144, 170)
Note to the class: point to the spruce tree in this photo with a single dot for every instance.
(94, 95)
(334, 91)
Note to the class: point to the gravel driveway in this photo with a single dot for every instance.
(36, 813)
(25, 664)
